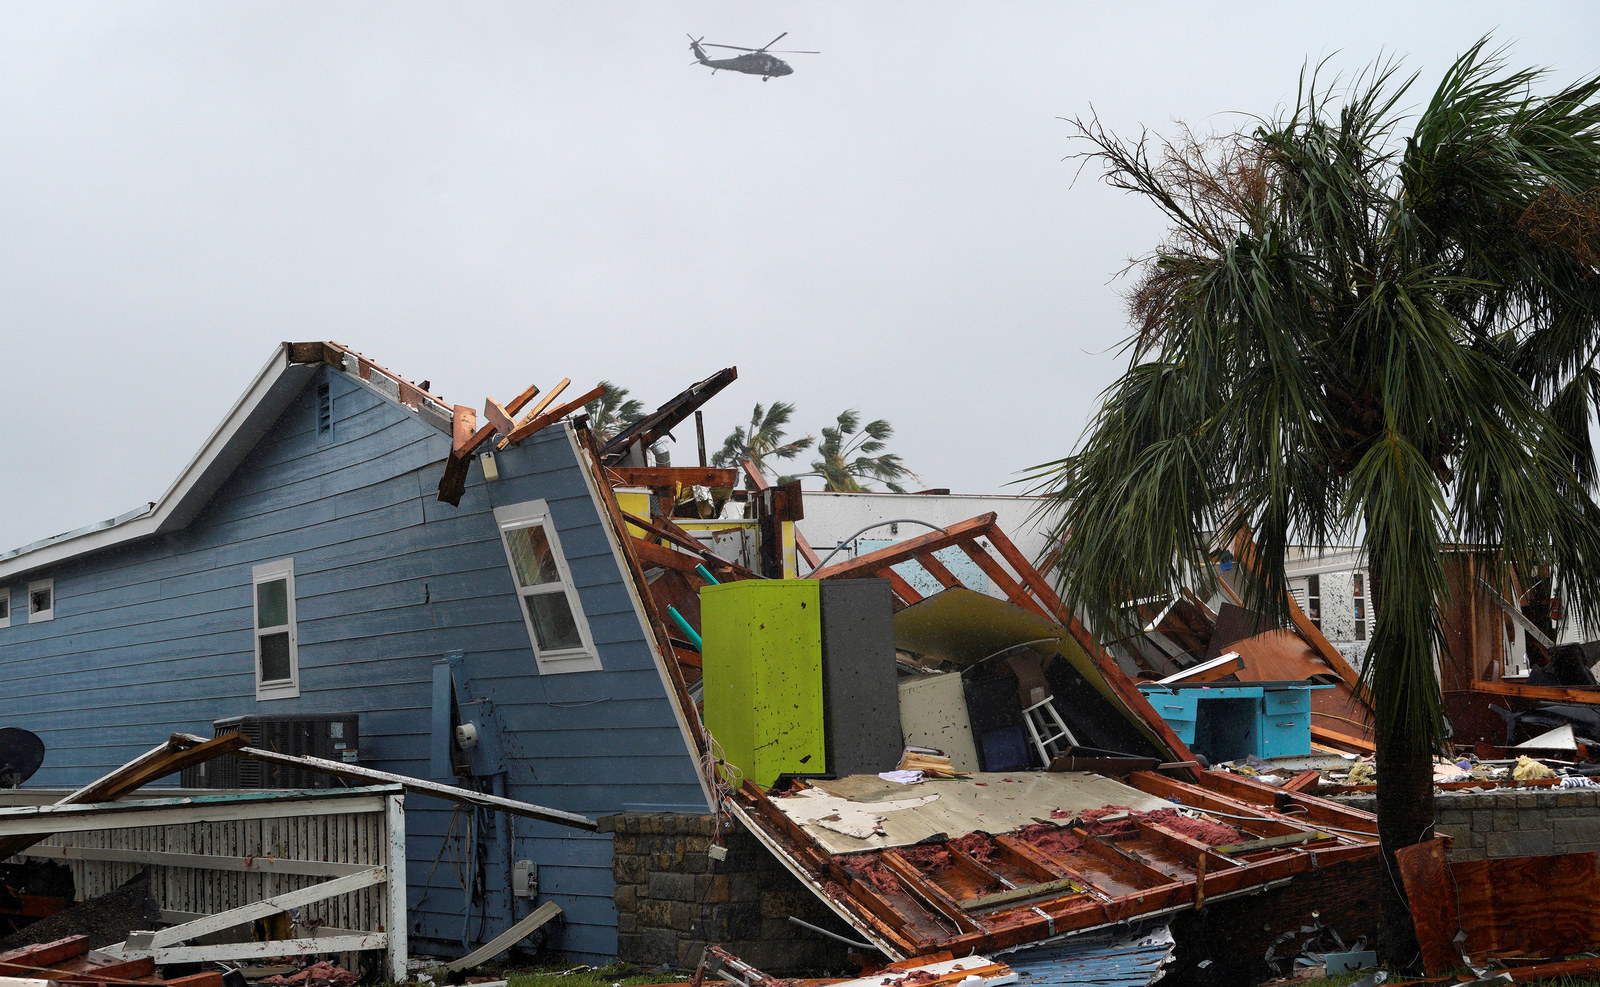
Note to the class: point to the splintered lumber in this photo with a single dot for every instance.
(339, 769)
(170, 757)
(532, 425)
(506, 939)
(931, 764)
(535, 411)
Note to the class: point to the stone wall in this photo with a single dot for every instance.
(1513, 823)
(672, 898)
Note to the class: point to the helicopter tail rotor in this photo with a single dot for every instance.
(699, 52)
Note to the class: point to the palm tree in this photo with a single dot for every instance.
(763, 440)
(1353, 332)
(612, 411)
(852, 452)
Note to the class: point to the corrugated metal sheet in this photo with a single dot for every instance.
(1119, 958)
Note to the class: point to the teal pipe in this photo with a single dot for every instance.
(687, 628)
(706, 575)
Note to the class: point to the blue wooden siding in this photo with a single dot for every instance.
(156, 637)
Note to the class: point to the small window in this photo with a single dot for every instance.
(5, 606)
(41, 600)
(1314, 600)
(277, 656)
(1360, 602)
(550, 606)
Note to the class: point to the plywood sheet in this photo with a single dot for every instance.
(1277, 656)
(1426, 876)
(832, 811)
(1522, 906)
(1530, 906)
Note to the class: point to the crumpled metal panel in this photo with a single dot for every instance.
(1115, 958)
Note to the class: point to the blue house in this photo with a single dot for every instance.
(303, 564)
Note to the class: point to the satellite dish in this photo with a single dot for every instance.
(21, 753)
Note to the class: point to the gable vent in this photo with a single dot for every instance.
(324, 410)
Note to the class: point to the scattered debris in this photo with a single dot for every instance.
(319, 974)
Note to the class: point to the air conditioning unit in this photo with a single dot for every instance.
(332, 736)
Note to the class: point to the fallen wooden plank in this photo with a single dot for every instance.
(338, 769)
(505, 940)
(1305, 781)
(176, 934)
(1272, 842)
(25, 961)
(158, 762)
(257, 950)
(1022, 895)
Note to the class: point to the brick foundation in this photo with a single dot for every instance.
(1515, 823)
(672, 899)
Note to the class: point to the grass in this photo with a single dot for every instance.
(559, 974)
(616, 975)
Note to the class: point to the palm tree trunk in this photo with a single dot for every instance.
(1405, 816)
(1405, 773)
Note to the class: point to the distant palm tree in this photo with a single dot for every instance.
(852, 452)
(763, 440)
(612, 412)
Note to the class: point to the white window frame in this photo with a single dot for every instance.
(5, 595)
(268, 572)
(49, 613)
(536, 513)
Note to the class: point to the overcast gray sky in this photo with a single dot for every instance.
(488, 195)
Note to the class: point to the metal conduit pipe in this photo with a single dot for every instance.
(831, 935)
(899, 520)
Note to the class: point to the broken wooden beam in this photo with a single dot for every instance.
(170, 757)
(667, 476)
(531, 425)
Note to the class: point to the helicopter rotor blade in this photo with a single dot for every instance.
(774, 41)
(734, 47)
(784, 51)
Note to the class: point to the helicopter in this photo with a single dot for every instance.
(757, 62)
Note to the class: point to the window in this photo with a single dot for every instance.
(1314, 600)
(5, 606)
(41, 600)
(277, 657)
(1360, 602)
(550, 605)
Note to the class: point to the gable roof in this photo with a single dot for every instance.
(278, 383)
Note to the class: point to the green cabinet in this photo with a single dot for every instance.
(762, 668)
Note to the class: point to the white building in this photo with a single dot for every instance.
(847, 525)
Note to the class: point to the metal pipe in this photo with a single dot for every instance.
(687, 628)
(831, 935)
(706, 575)
(899, 520)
